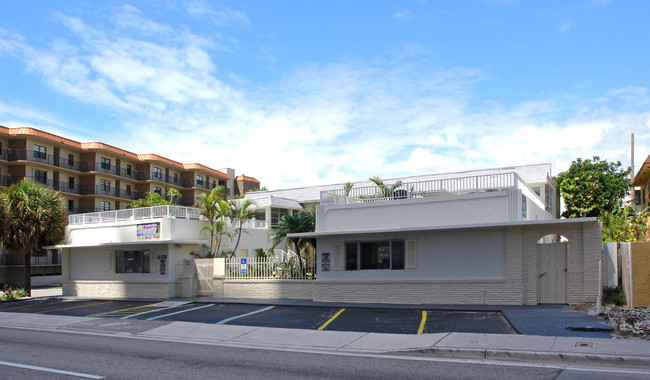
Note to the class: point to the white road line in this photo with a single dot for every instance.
(51, 370)
(178, 312)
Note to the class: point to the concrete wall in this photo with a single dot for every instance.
(441, 210)
(170, 229)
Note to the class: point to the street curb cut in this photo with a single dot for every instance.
(532, 356)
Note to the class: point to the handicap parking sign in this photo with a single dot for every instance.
(242, 265)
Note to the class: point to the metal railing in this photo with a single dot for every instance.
(179, 212)
(40, 157)
(460, 185)
(250, 224)
(268, 268)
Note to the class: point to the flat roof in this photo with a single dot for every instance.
(442, 228)
(136, 242)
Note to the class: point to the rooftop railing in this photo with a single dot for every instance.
(459, 185)
(178, 212)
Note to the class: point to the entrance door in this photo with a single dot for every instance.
(204, 270)
(552, 273)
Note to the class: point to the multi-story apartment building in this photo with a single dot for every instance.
(94, 176)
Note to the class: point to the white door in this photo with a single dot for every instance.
(552, 273)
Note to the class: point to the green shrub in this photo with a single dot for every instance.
(615, 296)
(10, 293)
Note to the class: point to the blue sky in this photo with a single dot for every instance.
(310, 92)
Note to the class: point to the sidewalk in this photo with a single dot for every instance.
(524, 348)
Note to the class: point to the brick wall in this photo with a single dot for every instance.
(118, 289)
(266, 289)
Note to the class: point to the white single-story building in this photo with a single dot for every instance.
(474, 240)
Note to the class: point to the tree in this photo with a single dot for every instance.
(37, 217)
(214, 208)
(591, 187)
(386, 191)
(348, 187)
(173, 194)
(4, 220)
(624, 224)
(240, 211)
(150, 199)
(304, 221)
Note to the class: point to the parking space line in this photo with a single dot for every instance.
(330, 320)
(37, 304)
(244, 315)
(119, 312)
(152, 311)
(73, 307)
(51, 370)
(423, 322)
(179, 312)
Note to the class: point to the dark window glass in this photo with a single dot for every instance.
(104, 185)
(105, 163)
(175, 177)
(128, 189)
(375, 255)
(40, 176)
(132, 261)
(128, 169)
(157, 190)
(199, 180)
(351, 256)
(40, 152)
(104, 206)
(397, 254)
(157, 173)
(70, 205)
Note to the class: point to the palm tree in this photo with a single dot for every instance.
(214, 208)
(173, 194)
(303, 221)
(37, 217)
(241, 210)
(385, 190)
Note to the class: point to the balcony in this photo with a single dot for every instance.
(459, 185)
(160, 177)
(40, 157)
(135, 214)
(4, 155)
(5, 181)
(204, 184)
(108, 191)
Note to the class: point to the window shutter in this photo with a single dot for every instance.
(338, 256)
(111, 261)
(411, 255)
(153, 262)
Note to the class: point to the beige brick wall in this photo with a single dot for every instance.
(118, 289)
(519, 287)
(266, 289)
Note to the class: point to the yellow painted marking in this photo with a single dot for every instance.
(34, 305)
(330, 320)
(423, 322)
(122, 312)
(73, 307)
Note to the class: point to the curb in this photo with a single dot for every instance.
(532, 356)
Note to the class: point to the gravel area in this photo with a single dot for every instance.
(629, 322)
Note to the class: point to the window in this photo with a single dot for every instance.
(132, 261)
(175, 177)
(214, 184)
(157, 173)
(70, 159)
(199, 180)
(128, 170)
(105, 163)
(157, 190)
(104, 206)
(104, 185)
(537, 190)
(70, 205)
(40, 152)
(70, 182)
(40, 176)
(385, 254)
(128, 190)
(277, 214)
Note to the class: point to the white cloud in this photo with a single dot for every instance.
(335, 122)
(403, 15)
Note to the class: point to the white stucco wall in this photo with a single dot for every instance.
(441, 255)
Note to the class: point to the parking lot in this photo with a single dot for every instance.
(378, 320)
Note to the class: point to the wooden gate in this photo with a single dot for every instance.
(552, 273)
(204, 271)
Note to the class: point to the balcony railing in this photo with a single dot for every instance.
(40, 157)
(4, 155)
(108, 191)
(204, 184)
(178, 212)
(460, 185)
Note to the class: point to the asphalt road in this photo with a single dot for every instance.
(377, 320)
(27, 354)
